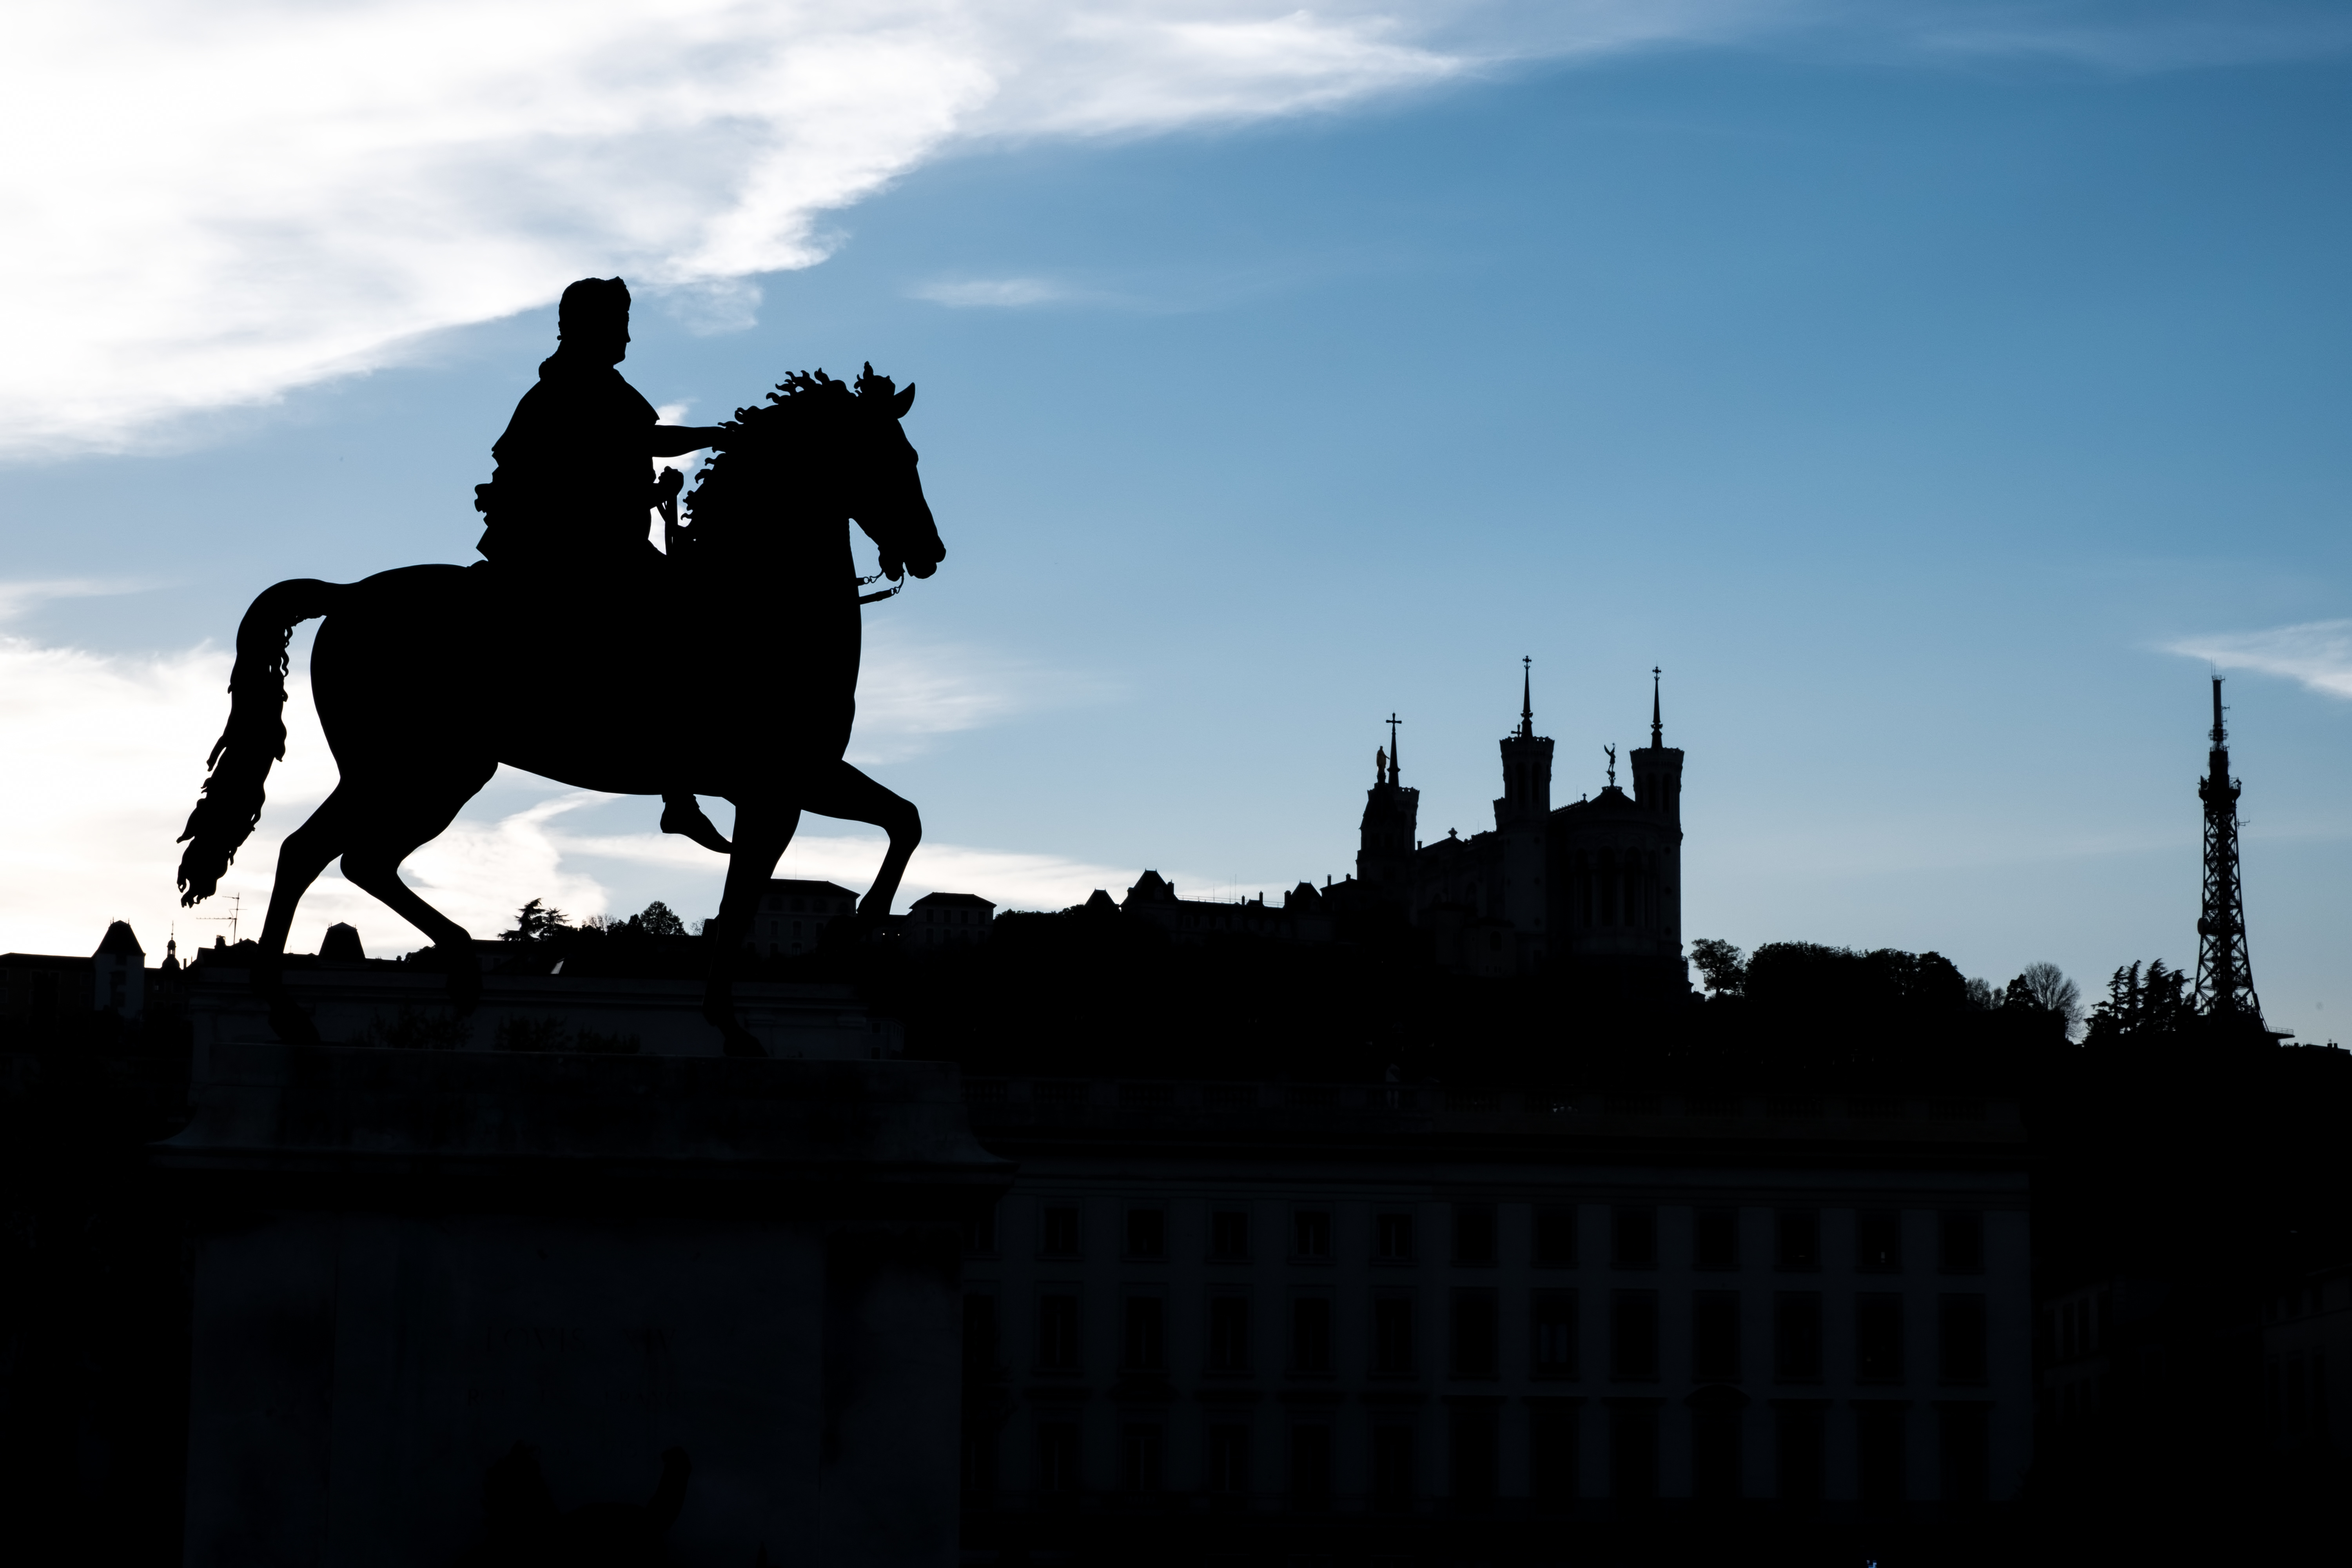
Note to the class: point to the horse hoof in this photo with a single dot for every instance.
(292, 1026)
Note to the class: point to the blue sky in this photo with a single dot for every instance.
(1936, 407)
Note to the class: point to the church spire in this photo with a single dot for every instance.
(1657, 730)
(1527, 698)
(1394, 776)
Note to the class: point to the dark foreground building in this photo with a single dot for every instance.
(1394, 1322)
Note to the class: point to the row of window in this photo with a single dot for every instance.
(1718, 1438)
(1633, 1239)
(1473, 1338)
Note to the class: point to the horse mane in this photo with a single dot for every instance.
(731, 475)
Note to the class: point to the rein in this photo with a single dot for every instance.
(877, 598)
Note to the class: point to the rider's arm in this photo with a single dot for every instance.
(676, 440)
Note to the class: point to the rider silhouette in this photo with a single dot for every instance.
(567, 505)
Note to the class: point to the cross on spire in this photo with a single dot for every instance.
(1657, 730)
(1527, 699)
(1393, 723)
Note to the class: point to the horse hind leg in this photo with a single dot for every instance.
(372, 863)
(306, 852)
(846, 795)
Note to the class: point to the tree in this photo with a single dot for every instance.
(536, 923)
(2046, 986)
(2141, 1006)
(1720, 966)
(658, 918)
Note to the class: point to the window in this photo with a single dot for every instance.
(1393, 1237)
(1878, 1243)
(1715, 1241)
(1311, 1235)
(1229, 1459)
(1715, 1336)
(1228, 1333)
(1555, 1333)
(1879, 1457)
(1146, 1335)
(1878, 1338)
(1961, 1339)
(976, 1470)
(1393, 1467)
(1138, 1457)
(1962, 1248)
(1057, 1332)
(1633, 1237)
(1310, 1334)
(1715, 1450)
(1797, 1337)
(1474, 1443)
(1061, 1240)
(1633, 1450)
(1633, 1336)
(1798, 1427)
(1967, 1464)
(979, 1232)
(1473, 1233)
(1800, 1235)
(1556, 1238)
(1229, 1236)
(1474, 1334)
(1391, 1337)
(1310, 1466)
(1057, 1458)
(1147, 1233)
(1551, 1455)
(979, 1336)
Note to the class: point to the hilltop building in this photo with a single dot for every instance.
(1596, 880)
(794, 911)
(947, 920)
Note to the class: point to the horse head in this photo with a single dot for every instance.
(839, 444)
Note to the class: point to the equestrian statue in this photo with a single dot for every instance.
(427, 678)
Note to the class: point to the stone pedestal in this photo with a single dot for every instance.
(408, 1261)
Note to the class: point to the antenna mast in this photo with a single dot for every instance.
(2225, 976)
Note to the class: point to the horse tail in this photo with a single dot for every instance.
(230, 807)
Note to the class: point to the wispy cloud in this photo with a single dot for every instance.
(17, 598)
(2316, 653)
(998, 292)
(912, 690)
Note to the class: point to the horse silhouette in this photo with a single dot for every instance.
(736, 669)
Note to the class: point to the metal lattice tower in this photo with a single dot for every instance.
(2225, 976)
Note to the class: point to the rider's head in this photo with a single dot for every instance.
(593, 318)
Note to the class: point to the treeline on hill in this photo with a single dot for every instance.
(1090, 992)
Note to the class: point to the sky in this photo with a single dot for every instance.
(1938, 393)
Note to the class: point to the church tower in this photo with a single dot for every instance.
(1527, 765)
(1384, 851)
(1658, 789)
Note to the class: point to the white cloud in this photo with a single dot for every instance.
(1001, 292)
(217, 202)
(2316, 653)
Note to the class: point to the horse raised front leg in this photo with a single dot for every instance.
(762, 830)
(305, 854)
(845, 792)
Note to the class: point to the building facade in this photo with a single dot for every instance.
(1366, 1307)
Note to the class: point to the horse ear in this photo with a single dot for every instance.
(904, 401)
